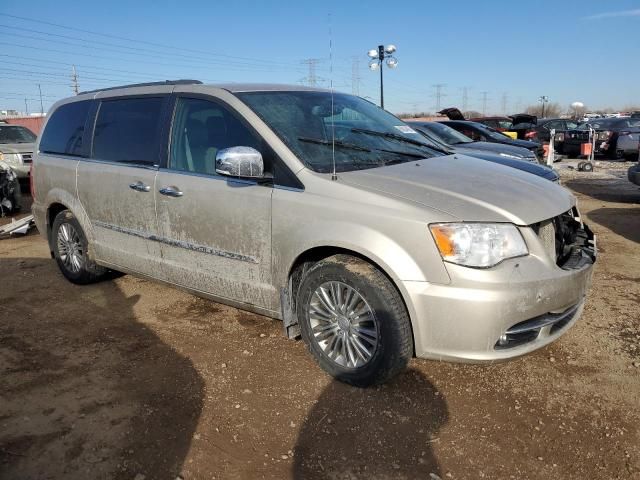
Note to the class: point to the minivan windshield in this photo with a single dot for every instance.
(314, 125)
(16, 134)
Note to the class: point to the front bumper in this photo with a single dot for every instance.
(467, 321)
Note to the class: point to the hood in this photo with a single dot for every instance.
(468, 189)
(452, 113)
(17, 147)
(526, 166)
(523, 118)
(496, 148)
(529, 145)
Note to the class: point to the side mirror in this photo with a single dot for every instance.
(244, 162)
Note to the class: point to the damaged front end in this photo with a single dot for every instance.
(567, 240)
(9, 191)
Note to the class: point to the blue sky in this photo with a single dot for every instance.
(584, 51)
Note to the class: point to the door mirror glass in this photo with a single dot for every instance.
(244, 162)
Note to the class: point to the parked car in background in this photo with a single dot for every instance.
(17, 145)
(616, 138)
(453, 138)
(501, 124)
(481, 133)
(532, 167)
(635, 115)
(539, 129)
(317, 208)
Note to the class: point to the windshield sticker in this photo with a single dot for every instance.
(405, 129)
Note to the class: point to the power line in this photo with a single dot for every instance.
(138, 41)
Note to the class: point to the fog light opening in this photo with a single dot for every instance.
(503, 340)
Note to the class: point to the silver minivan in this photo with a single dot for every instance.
(316, 208)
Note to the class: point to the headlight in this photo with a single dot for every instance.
(478, 244)
(11, 157)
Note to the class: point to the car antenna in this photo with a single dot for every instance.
(333, 132)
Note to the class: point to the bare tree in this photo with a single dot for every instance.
(550, 110)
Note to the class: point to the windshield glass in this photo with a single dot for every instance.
(447, 134)
(15, 134)
(492, 132)
(365, 136)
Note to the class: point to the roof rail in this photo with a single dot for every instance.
(149, 84)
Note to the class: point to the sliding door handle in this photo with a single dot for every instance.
(171, 191)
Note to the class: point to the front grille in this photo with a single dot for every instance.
(566, 240)
(27, 157)
(530, 330)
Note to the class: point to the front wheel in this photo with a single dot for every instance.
(70, 247)
(354, 321)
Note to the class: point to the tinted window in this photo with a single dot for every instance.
(65, 129)
(128, 130)
(202, 128)
(16, 134)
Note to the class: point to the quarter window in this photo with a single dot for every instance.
(64, 133)
(128, 130)
(201, 129)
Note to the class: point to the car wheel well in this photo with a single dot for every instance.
(52, 212)
(305, 261)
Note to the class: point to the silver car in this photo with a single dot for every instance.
(17, 145)
(316, 208)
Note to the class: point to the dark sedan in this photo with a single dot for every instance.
(616, 138)
(481, 133)
(449, 136)
(507, 160)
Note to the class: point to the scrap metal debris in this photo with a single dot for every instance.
(20, 227)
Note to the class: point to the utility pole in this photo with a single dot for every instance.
(26, 107)
(484, 103)
(505, 99)
(74, 80)
(439, 94)
(465, 99)
(378, 57)
(41, 105)
(355, 75)
(312, 79)
(543, 99)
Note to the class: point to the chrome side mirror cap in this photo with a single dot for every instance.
(243, 162)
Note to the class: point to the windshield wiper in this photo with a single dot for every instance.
(337, 143)
(398, 137)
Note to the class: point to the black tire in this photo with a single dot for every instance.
(87, 271)
(581, 166)
(395, 341)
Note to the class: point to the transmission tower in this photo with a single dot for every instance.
(311, 79)
(355, 75)
(465, 99)
(439, 94)
(505, 100)
(484, 103)
(74, 80)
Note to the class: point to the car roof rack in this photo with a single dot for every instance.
(149, 84)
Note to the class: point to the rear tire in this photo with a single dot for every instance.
(354, 321)
(70, 249)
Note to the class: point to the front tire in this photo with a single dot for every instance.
(354, 321)
(70, 248)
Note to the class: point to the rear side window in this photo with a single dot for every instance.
(128, 130)
(64, 133)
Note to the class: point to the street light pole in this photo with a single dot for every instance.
(381, 58)
(378, 57)
(544, 99)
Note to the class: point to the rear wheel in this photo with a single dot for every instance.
(353, 321)
(70, 248)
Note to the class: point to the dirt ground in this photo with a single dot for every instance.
(131, 379)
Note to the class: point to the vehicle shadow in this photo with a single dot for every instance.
(86, 391)
(608, 190)
(622, 221)
(381, 432)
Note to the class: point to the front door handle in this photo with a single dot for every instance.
(139, 187)
(171, 191)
